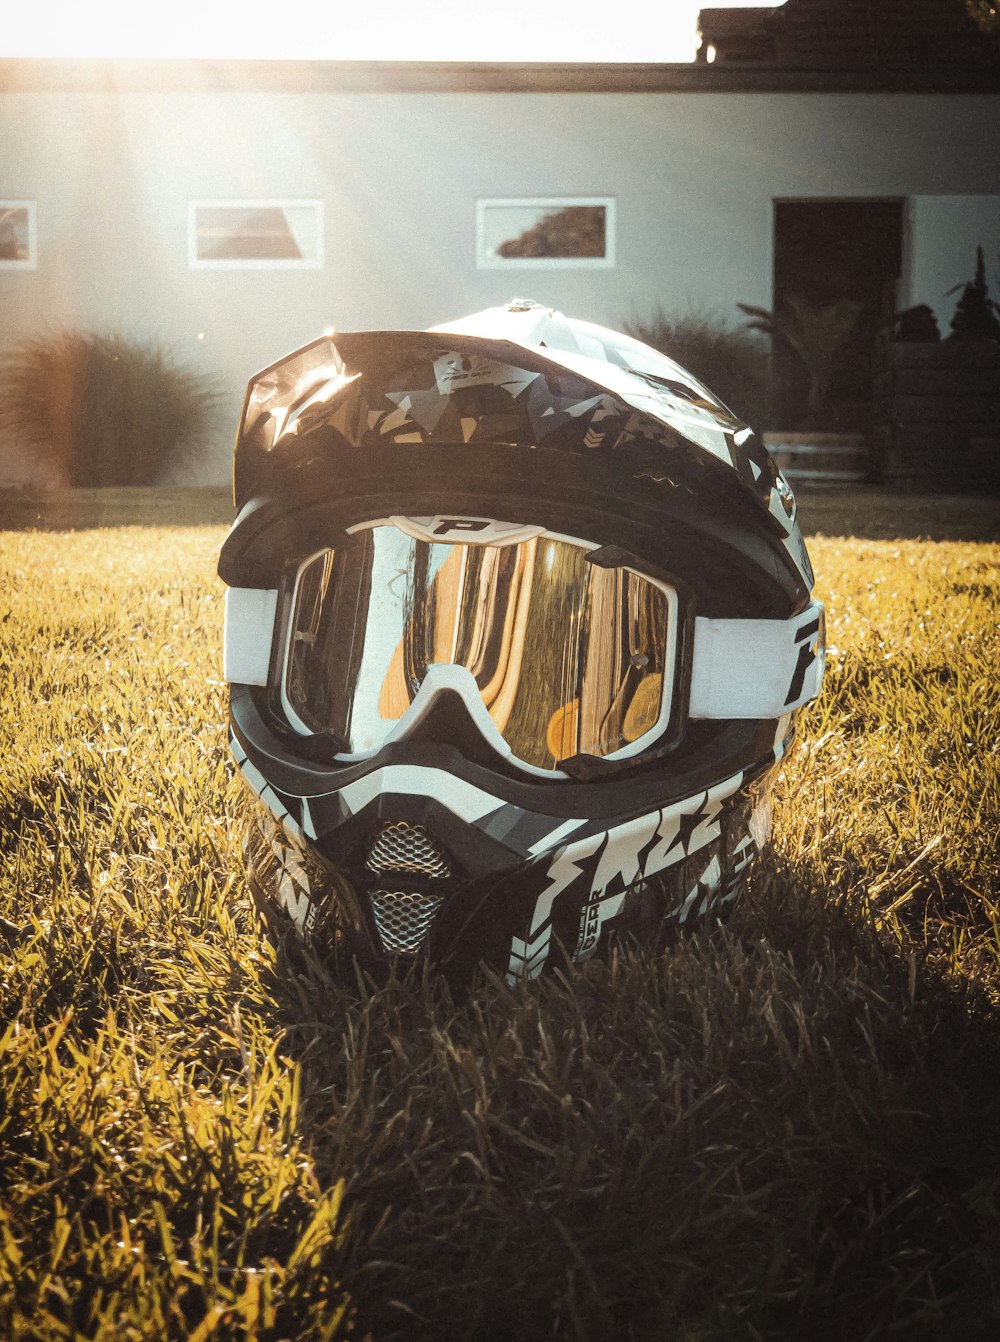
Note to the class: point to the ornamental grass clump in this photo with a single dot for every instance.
(734, 364)
(102, 409)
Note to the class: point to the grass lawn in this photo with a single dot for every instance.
(783, 1128)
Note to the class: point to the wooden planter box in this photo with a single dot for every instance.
(936, 416)
(820, 458)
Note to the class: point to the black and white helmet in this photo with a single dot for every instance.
(517, 626)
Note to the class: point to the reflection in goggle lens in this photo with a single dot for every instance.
(568, 657)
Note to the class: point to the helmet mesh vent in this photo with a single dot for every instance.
(403, 847)
(403, 919)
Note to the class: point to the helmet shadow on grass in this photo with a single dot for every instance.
(787, 1111)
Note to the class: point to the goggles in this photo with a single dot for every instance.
(553, 656)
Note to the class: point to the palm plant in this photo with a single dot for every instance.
(816, 333)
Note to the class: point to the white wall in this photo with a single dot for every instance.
(945, 231)
(694, 175)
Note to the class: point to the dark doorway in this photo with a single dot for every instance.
(826, 251)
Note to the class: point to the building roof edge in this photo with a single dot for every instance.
(69, 75)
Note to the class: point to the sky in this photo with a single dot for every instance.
(423, 30)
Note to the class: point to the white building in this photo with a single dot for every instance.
(234, 210)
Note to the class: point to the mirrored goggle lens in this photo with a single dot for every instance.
(567, 657)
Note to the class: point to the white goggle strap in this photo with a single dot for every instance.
(740, 669)
(248, 631)
(757, 668)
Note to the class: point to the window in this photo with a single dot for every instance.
(256, 234)
(546, 232)
(18, 237)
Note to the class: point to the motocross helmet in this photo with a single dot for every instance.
(518, 623)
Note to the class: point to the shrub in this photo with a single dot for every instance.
(977, 315)
(734, 364)
(104, 409)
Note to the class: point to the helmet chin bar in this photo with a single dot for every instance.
(403, 834)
